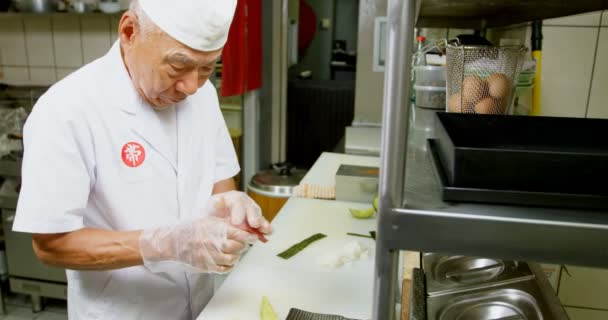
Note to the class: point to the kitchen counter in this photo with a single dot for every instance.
(363, 140)
(301, 281)
(323, 172)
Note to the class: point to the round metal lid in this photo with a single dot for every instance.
(277, 182)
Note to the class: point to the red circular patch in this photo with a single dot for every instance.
(133, 154)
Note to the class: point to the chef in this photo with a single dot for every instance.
(128, 166)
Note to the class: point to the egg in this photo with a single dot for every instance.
(499, 85)
(489, 105)
(474, 89)
(454, 103)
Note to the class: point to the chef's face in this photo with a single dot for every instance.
(163, 70)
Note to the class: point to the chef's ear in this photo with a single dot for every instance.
(128, 28)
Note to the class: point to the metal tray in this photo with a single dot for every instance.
(452, 273)
(537, 154)
(511, 197)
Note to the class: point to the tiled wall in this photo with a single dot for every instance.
(41, 49)
(574, 64)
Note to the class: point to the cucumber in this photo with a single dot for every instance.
(266, 310)
(293, 250)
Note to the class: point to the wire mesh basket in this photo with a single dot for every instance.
(482, 79)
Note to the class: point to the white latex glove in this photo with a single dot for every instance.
(206, 245)
(240, 209)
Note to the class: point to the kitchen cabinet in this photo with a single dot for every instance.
(410, 203)
(598, 108)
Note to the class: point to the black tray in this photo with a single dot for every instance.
(542, 154)
(511, 197)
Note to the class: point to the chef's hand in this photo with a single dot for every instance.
(240, 209)
(206, 245)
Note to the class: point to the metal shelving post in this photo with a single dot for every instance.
(400, 26)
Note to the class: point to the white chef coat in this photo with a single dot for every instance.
(74, 176)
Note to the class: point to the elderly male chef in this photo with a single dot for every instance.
(128, 166)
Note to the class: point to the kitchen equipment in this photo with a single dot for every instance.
(540, 154)
(430, 76)
(84, 6)
(27, 275)
(38, 6)
(460, 287)
(481, 78)
(450, 192)
(430, 97)
(109, 6)
(356, 183)
(446, 274)
(515, 301)
(272, 188)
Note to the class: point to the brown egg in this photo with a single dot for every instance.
(474, 89)
(499, 85)
(489, 105)
(454, 103)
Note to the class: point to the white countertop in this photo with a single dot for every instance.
(363, 140)
(323, 172)
(301, 282)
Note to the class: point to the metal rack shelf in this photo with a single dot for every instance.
(411, 213)
(479, 14)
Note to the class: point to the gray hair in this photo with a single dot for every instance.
(146, 25)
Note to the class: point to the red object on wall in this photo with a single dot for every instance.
(307, 27)
(242, 55)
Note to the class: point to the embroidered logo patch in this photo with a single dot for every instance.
(133, 154)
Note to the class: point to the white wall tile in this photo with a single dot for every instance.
(605, 18)
(598, 101)
(584, 287)
(39, 41)
(12, 42)
(63, 72)
(586, 314)
(114, 20)
(591, 19)
(12, 74)
(520, 34)
(42, 76)
(95, 36)
(567, 63)
(68, 46)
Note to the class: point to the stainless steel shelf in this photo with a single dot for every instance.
(478, 14)
(426, 223)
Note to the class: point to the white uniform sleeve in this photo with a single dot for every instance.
(57, 171)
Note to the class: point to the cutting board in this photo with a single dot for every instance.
(301, 281)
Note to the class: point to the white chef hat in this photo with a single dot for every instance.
(199, 24)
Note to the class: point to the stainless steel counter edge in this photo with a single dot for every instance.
(552, 301)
